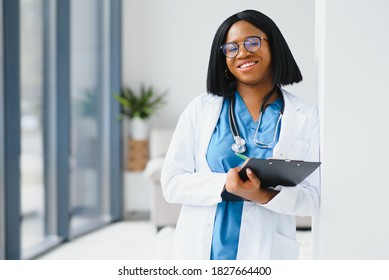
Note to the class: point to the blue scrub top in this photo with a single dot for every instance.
(221, 158)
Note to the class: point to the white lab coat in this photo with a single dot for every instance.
(267, 231)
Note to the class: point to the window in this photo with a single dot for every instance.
(31, 104)
(58, 117)
(89, 196)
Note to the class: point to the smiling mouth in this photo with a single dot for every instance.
(243, 66)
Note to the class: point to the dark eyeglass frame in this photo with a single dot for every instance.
(246, 43)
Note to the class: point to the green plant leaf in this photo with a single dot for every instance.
(142, 105)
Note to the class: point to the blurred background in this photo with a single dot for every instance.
(70, 167)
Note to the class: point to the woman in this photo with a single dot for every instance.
(249, 62)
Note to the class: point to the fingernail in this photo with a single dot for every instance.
(248, 170)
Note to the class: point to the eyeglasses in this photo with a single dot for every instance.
(252, 44)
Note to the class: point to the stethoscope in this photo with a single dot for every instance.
(239, 145)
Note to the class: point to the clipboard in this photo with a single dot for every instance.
(274, 172)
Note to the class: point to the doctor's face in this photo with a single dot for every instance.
(249, 68)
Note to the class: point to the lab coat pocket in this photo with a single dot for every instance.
(284, 248)
(298, 150)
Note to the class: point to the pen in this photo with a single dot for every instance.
(241, 156)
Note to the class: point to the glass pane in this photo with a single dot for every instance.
(32, 180)
(86, 118)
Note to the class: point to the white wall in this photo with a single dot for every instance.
(167, 44)
(354, 220)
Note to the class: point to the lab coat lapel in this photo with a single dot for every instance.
(292, 123)
(210, 113)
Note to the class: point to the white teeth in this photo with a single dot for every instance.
(247, 65)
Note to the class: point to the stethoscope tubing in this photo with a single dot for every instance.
(239, 143)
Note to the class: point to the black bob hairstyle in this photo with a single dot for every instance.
(284, 67)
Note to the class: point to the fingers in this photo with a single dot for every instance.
(233, 180)
(233, 175)
(235, 185)
(252, 177)
(247, 189)
(237, 169)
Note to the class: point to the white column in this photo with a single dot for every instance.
(353, 68)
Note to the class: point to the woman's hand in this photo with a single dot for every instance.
(250, 189)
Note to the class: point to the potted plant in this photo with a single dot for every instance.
(138, 108)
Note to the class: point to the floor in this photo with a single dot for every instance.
(135, 240)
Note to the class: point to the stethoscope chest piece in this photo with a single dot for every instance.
(239, 146)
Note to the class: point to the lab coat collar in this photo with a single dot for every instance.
(291, 124)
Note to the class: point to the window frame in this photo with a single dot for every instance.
(57, 129)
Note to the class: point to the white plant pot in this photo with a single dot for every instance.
(139, 129)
